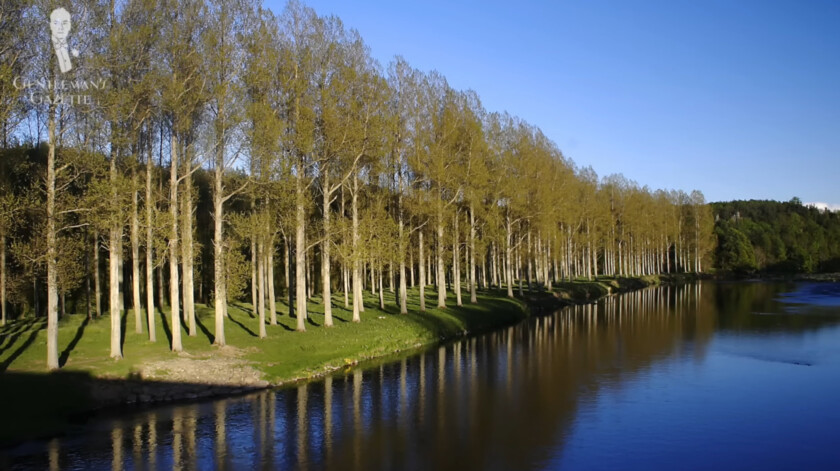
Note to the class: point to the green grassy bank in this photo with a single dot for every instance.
(34, 402)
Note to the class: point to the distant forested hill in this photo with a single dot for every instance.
(771, 236)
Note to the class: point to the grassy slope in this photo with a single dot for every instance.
(84, 344)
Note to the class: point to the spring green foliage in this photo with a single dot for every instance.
(275, 146)
(776, 237)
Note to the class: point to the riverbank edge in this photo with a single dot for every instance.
(784, 278)
(103, 397)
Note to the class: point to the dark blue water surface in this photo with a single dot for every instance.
(705, 376)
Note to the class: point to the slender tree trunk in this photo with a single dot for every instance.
(344, 279)
(529, 256)
(150, 264)
(135, 256)
(310, 274)
(519, 268)
(3, 280)
(429, 273)
(441, 274)
(381, 294)
(494, 281)
(121, 274)
(52, 288)
(187, 249)
(286, 262)
(326, 292)
(35, 303)
(219, 280)
(549, 275)
(174, 284)
(97, 286)
(357, 276)
(422, 269)
(402, 295)
(300, 254)
(372, 278)
(290, 276)
(473, 298)
(456, 264)
(508, 259)
(345, 273)
(261, 286)
(254, 268)
(411, 266)
(114, 253)
(272, 300)
(392, 279)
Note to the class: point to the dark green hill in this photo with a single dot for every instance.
(776, 237)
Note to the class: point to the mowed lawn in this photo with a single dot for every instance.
(84, 344)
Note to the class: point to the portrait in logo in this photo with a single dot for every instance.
(60, 26)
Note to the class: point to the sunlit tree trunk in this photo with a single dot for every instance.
(97, 284)
(381, 294)
(114, 253)
(422, 269)
(529, 255)
(402, 294)
(174, 285)
(135, 256)
(357, 276)
(473, 298)
(300, 255)
(508, 258)
(254, 263)
(150, 265)
(441, 269)
(372, 278)
(261, 286)
(272, 300)
(187, 248)
(52, 287)
(456, 264)
(219, 282)
(326, 292)
(411, 266)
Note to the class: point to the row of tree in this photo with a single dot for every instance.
(776, 237)
(201, 148)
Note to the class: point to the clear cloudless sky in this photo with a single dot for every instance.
(737, 98)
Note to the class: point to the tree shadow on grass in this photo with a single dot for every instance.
(17, 331)
(210, 337)
(65, 355)
(123, 320)
(29, 341)
(284, 326)
(312, 321)
(164, 322)
(250, 311)
(244, 327)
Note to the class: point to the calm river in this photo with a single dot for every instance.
(705, 376)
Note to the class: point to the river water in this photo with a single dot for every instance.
(702, 376)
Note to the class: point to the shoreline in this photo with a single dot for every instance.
(86, 395)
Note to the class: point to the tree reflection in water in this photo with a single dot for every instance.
(503, 400)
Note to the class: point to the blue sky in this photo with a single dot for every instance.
(739, 99)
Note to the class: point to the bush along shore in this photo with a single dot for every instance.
(35, 403)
